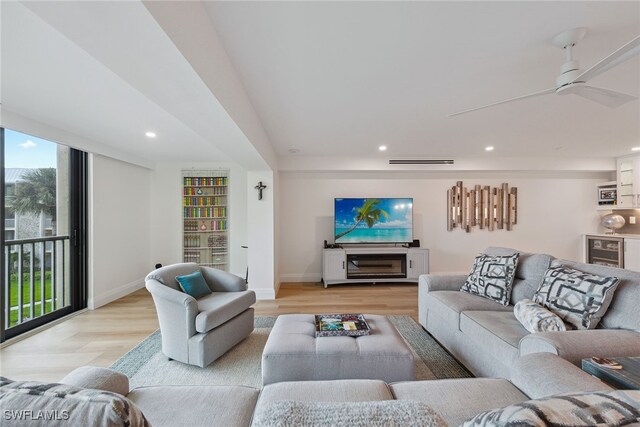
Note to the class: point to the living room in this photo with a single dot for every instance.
(311, 100)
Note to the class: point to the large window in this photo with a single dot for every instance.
(43, 243)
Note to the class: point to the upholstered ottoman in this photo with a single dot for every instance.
(293, 353)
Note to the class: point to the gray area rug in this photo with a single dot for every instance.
(146, 365)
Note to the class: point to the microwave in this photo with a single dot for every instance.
(607, 196)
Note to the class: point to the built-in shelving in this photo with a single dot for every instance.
(205, 213)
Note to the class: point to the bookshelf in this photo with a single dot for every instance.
(205, 213)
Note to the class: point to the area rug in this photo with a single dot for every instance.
(146, 365)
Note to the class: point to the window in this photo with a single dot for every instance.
(43, 244)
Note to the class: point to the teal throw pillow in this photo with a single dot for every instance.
(194, 284)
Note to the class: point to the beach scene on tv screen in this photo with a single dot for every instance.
(381, 220)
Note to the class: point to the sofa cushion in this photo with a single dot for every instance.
(42, 404)
(458, 399)
(529, 273)
(219, 307)
(530, 266)
(495, 332)
(327, 391)
(391, 413)
(579, 298)
(576, 409)
(536, 318)
(491, 277)
(196, 405)
(449, 304)
(622, 312)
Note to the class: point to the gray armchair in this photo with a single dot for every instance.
(199, 331)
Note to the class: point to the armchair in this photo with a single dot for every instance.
(197, 332)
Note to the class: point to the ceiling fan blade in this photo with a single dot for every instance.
(618, 57)
(607, 97)
(531, 95)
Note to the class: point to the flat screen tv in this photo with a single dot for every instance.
(373, 220)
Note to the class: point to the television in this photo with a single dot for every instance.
(373, 220)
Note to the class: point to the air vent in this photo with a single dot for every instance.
(420, 162)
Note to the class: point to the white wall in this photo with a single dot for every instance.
(119, 229)
(554, 209)
(165, 214)
(260, 228)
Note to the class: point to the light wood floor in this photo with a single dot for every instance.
(99, 337)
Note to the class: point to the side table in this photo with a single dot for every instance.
(627, 378)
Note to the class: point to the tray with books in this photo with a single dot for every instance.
(339, 325)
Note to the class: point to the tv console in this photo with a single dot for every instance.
(373, 265)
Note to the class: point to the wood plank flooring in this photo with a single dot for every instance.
(99, 337)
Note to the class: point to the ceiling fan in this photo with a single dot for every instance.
(572, 80)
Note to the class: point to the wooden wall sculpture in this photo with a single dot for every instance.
(485, 207)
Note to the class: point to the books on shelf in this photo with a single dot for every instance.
(204, 218)
(204, 181)
(334, 325)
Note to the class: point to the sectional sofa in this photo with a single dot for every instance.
(533, 377)
(487, 338)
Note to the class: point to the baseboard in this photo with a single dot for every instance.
(304, 277)
(114, 294)
(265, 293)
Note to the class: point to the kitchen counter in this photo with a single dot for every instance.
(619, 235)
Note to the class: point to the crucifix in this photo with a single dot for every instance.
(260, 187)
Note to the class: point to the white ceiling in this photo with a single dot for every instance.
(330, 79)
(341, 78)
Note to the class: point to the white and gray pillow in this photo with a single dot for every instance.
(71, 406)
(492, 277)
(578, 298)
(536, 318)
(388, 413)
(613, 408)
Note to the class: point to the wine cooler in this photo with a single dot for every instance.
(607, 251)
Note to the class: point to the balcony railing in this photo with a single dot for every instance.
(35, 278)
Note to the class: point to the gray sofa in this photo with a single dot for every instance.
(534, 376)
(487, 338)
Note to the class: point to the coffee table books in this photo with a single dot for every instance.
(339, 325)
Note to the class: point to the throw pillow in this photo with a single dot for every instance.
(492, 277)
(536, 318)
(579, 298)
(613, 408)
(42, 404)
(194, 284)
(387, 413)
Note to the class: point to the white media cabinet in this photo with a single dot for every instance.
(374, 265)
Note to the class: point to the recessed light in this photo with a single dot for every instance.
(489, 148)
(382, 148)
(294, 150)
(150, 134)
(635, 149)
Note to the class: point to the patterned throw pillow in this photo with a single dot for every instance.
(613, 408)
(579, 298)
(492, 277)
(42, 404)
(536, 318)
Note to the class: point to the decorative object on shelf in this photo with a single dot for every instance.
(483, 206)
(260, 187)
(613, 222)
(199, 192)
(203, 227)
